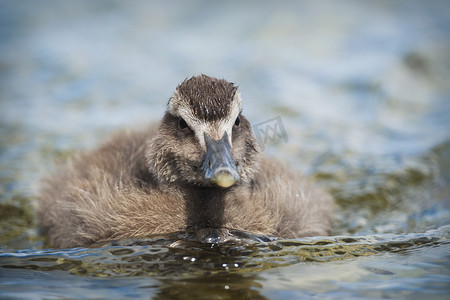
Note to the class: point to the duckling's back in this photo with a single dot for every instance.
(98, 193)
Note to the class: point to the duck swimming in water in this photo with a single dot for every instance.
(198, 169)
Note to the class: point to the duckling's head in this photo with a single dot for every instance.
(203, 138)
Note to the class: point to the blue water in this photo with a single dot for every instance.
(361, 88)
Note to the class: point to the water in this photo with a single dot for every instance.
(361, 88)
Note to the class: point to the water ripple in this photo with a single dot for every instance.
(169, 256)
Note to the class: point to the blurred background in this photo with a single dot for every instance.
(362, 88)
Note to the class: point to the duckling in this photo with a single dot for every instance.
(199, 168)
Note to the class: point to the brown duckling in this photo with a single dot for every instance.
(198, 169)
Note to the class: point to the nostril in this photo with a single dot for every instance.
(209, 164)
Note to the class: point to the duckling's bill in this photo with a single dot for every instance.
(219, 166)
(224, 179)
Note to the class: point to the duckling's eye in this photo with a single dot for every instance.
(182, 123)
(238, 121)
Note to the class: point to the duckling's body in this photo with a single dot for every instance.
(167, 178)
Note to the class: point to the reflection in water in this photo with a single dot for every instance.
(220, 286)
